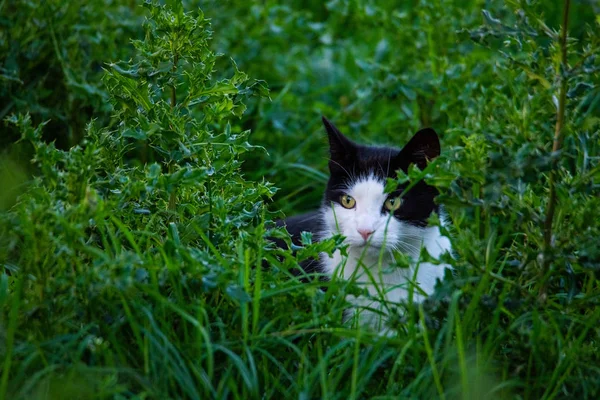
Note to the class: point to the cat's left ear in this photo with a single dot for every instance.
(342, 150)
(423, 147)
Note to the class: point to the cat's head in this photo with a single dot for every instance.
(355, 204)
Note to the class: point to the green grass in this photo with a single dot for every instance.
(140, 173)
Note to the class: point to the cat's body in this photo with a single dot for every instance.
(377, 224)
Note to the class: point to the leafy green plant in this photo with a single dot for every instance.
(136, 257)
(51, 57)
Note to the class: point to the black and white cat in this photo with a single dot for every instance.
(376, 224)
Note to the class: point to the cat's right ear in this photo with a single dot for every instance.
(423, 147)
(341, 149)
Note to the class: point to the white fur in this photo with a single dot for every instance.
(369, 263)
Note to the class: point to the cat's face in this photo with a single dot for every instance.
(355, 202)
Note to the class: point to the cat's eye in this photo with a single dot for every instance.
(393, 203)
(347, 201)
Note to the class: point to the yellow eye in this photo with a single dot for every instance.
(347, 201)
(393, 203)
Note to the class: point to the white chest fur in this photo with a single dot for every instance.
(386, 284)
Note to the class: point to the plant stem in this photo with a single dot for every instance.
(558, 134)
(173, 88)
(10, 336)
(172, 196)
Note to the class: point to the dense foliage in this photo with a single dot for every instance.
(134, 250)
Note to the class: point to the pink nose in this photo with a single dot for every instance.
(365, 233)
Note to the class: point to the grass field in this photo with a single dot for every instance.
(146, 149)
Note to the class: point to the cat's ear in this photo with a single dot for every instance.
(341, 149)
(423, 147)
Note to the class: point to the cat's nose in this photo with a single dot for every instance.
(365, 233)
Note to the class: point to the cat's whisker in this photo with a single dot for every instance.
(344, 169)
(409, 236)
(380, 167)
(391, 253)
(407, 247)
(411, 246)
(309, 218)
(339, 186)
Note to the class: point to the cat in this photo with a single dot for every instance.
(376, 224)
